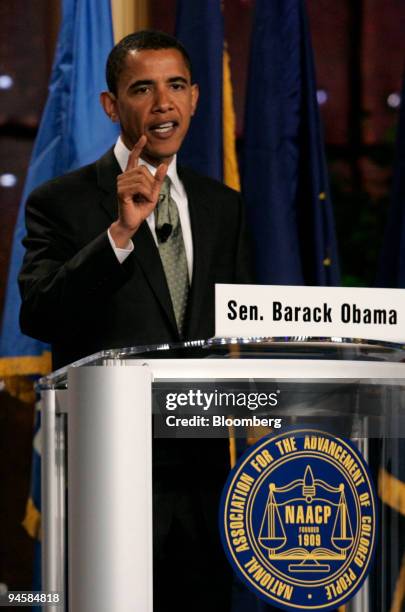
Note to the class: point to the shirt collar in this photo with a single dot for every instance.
(122, 153)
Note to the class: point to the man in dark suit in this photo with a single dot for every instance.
(96, 275)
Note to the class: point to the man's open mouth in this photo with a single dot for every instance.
(164, 127)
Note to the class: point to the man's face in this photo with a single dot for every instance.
(155, 97)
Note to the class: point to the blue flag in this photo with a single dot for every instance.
(391, 270)
(284, 176)
(199, 26)
(74, 131)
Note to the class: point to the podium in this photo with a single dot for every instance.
(97, 448)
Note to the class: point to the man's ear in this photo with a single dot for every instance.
(109, 104)
(195, 92)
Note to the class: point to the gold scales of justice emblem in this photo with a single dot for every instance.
(308, 506)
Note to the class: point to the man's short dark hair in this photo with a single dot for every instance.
(139, 41)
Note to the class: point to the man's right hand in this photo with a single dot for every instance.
(138, 193)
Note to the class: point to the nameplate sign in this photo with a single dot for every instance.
(277, 310)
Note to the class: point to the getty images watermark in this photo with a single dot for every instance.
(195, 412)
(219, 399)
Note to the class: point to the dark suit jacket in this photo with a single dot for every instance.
(78, 297)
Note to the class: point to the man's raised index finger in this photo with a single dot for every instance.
(160, 174)
(135, 154)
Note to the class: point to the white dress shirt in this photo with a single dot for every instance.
(178, 194)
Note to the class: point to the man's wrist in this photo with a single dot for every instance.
(120, 235)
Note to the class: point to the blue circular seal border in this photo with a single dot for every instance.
(299, 577)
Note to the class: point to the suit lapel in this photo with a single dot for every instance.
(203, 220)
(147, 255)
(145, 250)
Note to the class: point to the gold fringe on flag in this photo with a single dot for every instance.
(232, 446)
(21, 388)
(392, 491)
(32, 520)
(26, 366)
(230, 162)
(14, 372)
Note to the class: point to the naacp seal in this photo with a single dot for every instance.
(298, 520)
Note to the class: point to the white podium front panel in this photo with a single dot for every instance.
(359, 391)
(110, 489)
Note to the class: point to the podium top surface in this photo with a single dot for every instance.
(291, 348)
